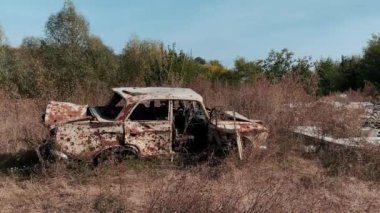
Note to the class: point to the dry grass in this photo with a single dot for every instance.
(72, 193)
(285, 104)
(256, 187)
(20, 126)
(279, 179)
(263, 187)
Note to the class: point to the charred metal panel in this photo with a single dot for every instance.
(150, 137)
(60, 112)
(86, 139)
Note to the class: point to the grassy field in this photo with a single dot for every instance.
(280, 179)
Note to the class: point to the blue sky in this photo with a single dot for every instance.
(213, 29)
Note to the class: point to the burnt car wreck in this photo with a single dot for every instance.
(147, 121)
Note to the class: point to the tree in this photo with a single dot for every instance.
(183, 68)
(247, 70)
(301, 67)
(351, 69)
(2, 57)
(371, 61)
(215, 70)
(277, 64)
(32, 51)
(67, 27)
(330, 77)
(144, 62)
(65, 49)
(200, 60)
(102, 61)
(14, 75)
(2, 37)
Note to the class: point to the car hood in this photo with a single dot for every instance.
(244, 127)
(63, 112)
(239, 117)
(231, 121)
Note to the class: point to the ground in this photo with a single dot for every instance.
(281, 179)
(264, 182)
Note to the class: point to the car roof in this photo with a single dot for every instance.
(161, 93)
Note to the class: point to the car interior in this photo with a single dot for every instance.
(189, 122)
(111, 110)
(190, 127)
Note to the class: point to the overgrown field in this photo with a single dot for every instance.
(282, 179)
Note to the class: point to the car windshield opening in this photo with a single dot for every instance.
(111, 110)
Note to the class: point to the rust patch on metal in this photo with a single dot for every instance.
(60, 112)
(151, 138)
(83, 139)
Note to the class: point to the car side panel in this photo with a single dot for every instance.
(150, 137)
(84, 140)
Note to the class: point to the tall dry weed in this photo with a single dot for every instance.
(285, 104)
(20, 124)
(267, 181)
(256, 188)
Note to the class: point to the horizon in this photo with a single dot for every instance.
(221, 30)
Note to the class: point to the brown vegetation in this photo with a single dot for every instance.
(282, 178)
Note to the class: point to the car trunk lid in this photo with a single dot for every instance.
(62, 112)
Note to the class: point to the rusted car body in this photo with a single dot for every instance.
(146, 121)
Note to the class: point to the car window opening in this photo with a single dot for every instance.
(190, 127)
(150, 111)
(111, 110)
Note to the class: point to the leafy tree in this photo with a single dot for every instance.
(340, 76)
(277, 64)
(143, 62)
(15, 75)
(2, 37)
(215, 70)
(200, 60)
(102, 62)
(150, 63)
(330, 77)
(302, 66)
(184, 68)
(65, 56)
(371, 61)
(32, 51)
(2, 57)
(247, 70)
(67, 27)
(32, 44)
(351, 68)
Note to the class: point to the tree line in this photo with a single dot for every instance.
(70, 57)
